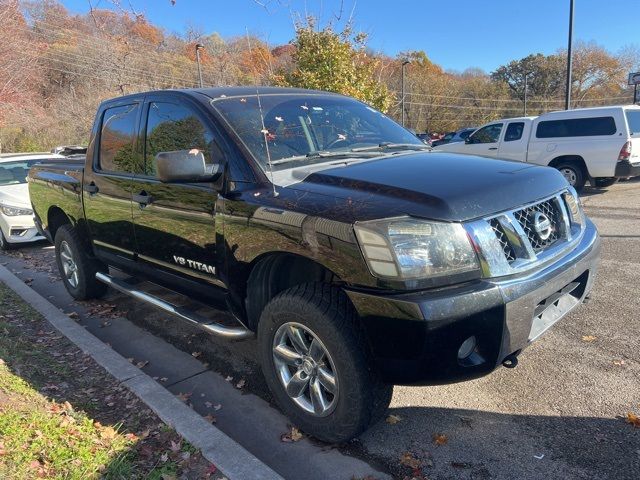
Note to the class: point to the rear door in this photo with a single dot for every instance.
(514, 143)
(175, 223)
(109, 178)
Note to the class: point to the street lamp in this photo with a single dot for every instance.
(199, 47)
(567, 97)
(404, 64)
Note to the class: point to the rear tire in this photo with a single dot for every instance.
(4, 243)
(77, 269)
(604, 182)
(573, 172)
(322, 314)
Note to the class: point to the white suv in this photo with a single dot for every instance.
(598, 144)
(16, 216)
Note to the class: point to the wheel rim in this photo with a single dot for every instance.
(305, 369)
(570, 175)
(69, 266)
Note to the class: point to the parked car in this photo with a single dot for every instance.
(16, 216)
(69, 150)
(599, 144)
(453, 137)
(359, 258)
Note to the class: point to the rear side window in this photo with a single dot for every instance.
(576, 127)
(514, 131)
(117, 145)
(633, 119)
(172, 127)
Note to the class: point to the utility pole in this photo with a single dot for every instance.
(404, 64)
(199, 47)
(567, 97)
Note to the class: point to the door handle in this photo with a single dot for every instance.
(143, 199)
(91, 189)
(493, 148)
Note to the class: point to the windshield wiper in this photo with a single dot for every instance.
(316, 154)
(391, 146)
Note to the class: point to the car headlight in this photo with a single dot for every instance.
(574, 206)
(10, 211)
(407, 248)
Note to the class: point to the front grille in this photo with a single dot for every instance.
(525, 218)
(509, 253)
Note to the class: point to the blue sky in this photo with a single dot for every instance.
(456, 35)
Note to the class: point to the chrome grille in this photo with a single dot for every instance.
(509, 253)
(525, 219)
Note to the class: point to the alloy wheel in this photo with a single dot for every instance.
(69, 266)
(570, 175)
(305, 369)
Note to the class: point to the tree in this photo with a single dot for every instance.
(334, 61)
(545, 75)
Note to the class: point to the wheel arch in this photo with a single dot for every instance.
(577, 159)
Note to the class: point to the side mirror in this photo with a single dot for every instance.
(185, 166)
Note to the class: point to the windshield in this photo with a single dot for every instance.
(298, 127)
(14, 173)
(633, 118)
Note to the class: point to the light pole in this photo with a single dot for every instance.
(404, 64)
(567, 97)
(199, 47)
(526, 90)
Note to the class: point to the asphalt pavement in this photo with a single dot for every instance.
(560, 414)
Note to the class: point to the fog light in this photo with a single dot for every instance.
(467, 347)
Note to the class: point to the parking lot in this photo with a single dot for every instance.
(560, 414)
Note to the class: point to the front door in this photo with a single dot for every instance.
(484, 141)
(108, 178)
(175, 223)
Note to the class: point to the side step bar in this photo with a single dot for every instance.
(237, 333)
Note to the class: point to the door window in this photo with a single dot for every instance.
(117, 146)
(172, 127)
(514, 131)
(488, 134)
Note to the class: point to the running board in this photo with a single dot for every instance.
(237, 333)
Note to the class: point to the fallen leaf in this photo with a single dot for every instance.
(175, 446)
(73, 315)
(164, 379)
(393, 419)
(293, 435)
(211, 470)
(241, 383)
(229, 378)
(164, 457)
(142, 364)
(217, 407)
(618, 362)
(208, 404)
(210, 418)
(440, 439)
(184, 396)
(408, 460)
(633, 419)
(588, 338)
(196, 354)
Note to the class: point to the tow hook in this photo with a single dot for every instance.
(511, 361)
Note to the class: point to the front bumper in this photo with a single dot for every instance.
(19, 229)
(626, 169)
(415, 336)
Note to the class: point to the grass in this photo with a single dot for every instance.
(63, 417)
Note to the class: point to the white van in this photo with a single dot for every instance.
(598, 144)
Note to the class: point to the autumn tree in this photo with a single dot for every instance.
(334, 61)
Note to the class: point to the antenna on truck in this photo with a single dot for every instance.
(263, 130)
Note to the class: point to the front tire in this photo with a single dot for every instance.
(574, 173)
(4, 243)
(317, 364)
(77, 269)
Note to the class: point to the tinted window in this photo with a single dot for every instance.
(465, 134)
(514, 131)
(173, 127)
(633, 119)
(117, 146)
(576, 127)
(13, 173)
(488, 134)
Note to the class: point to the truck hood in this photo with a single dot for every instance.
(15, 195)
(437, 186)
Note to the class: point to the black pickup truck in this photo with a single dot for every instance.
(359, 258)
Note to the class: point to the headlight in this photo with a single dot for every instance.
(15, 211)
(572, 201)
(406, 248)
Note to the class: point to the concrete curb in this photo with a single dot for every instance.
(231, 458)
